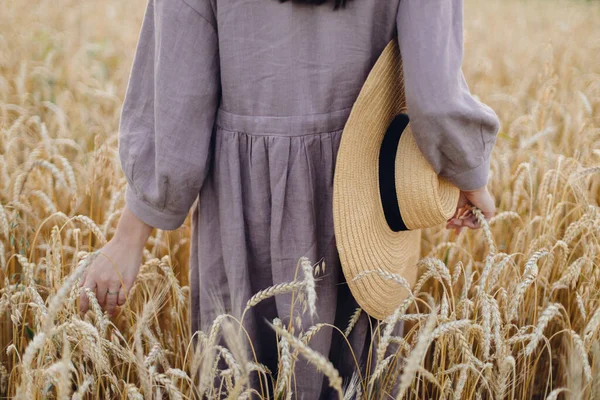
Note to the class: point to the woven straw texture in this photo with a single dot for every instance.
(364, 240)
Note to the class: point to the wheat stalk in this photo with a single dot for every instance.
(416, 355)
(547, 315)
(318, 360)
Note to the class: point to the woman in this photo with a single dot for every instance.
(242, 103)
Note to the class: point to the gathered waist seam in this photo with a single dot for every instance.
(293, 125)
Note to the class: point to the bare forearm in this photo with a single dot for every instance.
(132, 230)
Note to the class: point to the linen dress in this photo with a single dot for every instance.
(241, 104)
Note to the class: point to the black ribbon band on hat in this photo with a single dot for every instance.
(387, 173)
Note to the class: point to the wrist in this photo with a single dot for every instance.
(132, 230)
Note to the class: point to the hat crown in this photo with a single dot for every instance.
(424, 197)
(412, 194)
(365, 239)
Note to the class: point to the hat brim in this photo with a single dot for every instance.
(366, 244)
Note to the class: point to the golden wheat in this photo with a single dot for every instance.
(511, 311)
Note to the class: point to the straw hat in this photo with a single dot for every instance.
(384, 191)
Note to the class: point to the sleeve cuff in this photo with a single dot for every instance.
(150, 215)
(472, 179)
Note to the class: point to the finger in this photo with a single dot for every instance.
(101, 295)
(489, 207)
(471, 222)
(489, 214)
(123, 292)
(456, 222)
(456, 225)
(462, 201)
(83, 276)
(82, 297)
(111, 299)
(84, 301)
(466, 210)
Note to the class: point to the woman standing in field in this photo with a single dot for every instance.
(243, 103)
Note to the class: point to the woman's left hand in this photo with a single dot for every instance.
(112, 274)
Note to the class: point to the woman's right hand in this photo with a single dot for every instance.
(464, 217)
(112, 274)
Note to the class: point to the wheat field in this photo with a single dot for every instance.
(511, 311)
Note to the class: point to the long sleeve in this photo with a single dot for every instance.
(169, 111)
(455, 132)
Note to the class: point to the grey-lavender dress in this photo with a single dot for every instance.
(242, 103)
